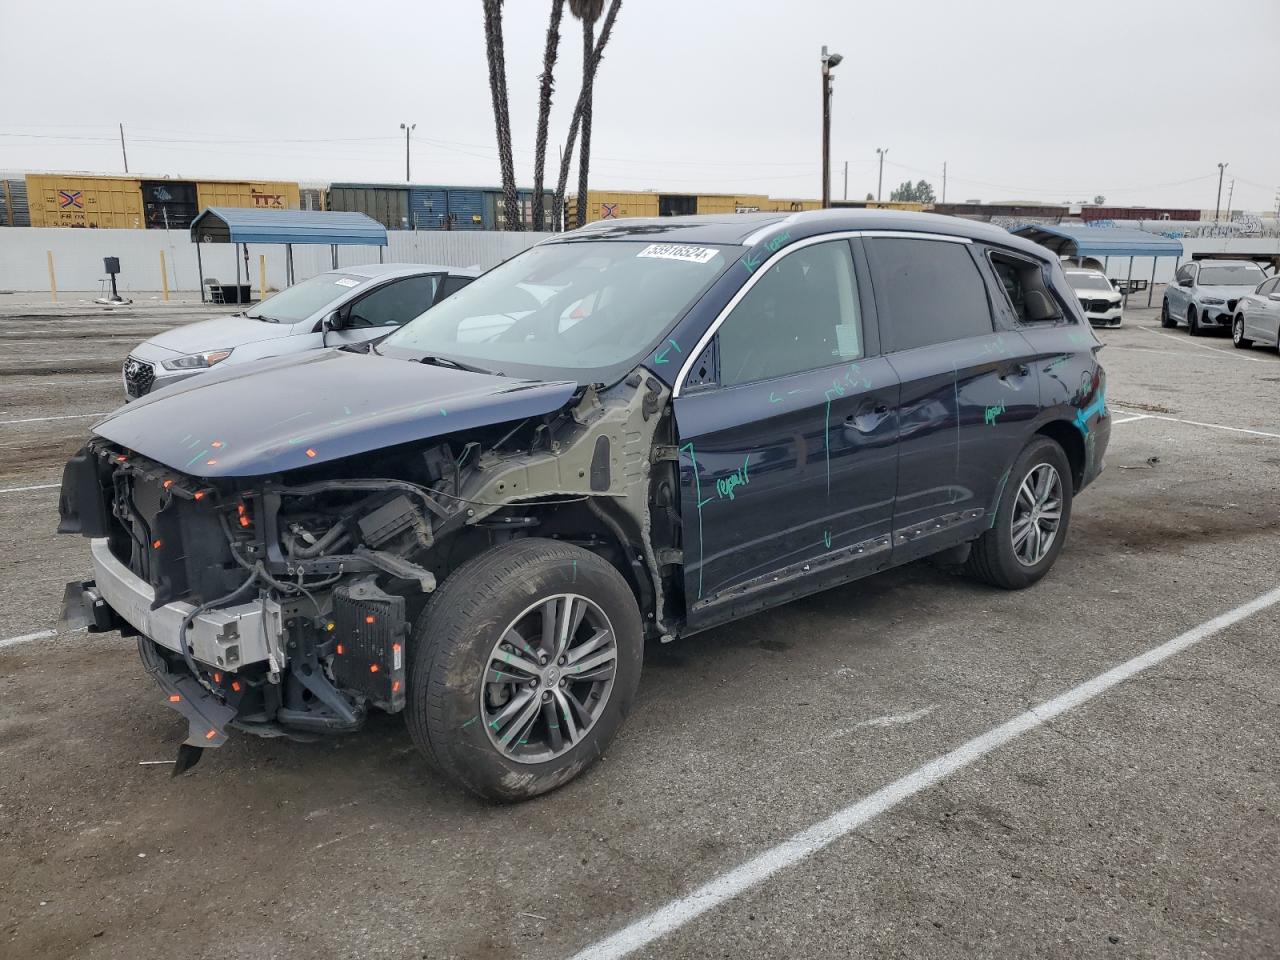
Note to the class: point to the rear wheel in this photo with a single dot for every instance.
(1237, 333)
(1193, 321)
(1166, 318)
(1031, 519)
(525, 663)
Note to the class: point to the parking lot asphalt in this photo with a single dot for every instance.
(1143, 822)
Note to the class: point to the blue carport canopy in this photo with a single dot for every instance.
(246, 225)
(1076, 240)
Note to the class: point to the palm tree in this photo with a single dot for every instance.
(588, 11)
(501, 118)
(547, 81)
(591, 61)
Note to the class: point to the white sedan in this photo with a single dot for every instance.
(1100, 301)
(1257, 319)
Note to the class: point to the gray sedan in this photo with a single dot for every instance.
(1257, 319)
(339, 307)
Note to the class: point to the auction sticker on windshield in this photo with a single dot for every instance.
(347, 282)
(678, 251)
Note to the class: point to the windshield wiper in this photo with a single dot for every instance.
(450, 362)
(261, 316)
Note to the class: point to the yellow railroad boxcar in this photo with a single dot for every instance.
(732, 202)
(56, 200)
(613, 205)
(259, 194)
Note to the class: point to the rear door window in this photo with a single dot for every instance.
(927, 291)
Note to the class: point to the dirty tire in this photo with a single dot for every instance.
(1193, 321)
(992, 557)
(452, 641)
(1166, 319)
(1237, 333)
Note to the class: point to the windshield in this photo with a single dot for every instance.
(1088, 281)
(304, 299)
(582, 310)
(1231, 275)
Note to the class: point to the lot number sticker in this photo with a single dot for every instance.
(347, 282)
(678, 251)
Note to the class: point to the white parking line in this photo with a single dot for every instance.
(38, 486)
(1236, 354)
(1198, 423)
(1140, 416)
(69, 416)
(28, 637)
(806, 843)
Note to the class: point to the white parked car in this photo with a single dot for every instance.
(1257, 319)
(339, 307)
(1101, 302)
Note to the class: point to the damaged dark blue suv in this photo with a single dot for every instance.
(633, 431)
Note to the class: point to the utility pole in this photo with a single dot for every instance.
(407, 128)
(123, 154)
(944, 181)
(846, 179)
(829, 62)
(1231, 190)
(1218, 208)
(880, 180)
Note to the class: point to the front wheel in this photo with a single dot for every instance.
(1166, 318)
(1237, 333)
(1193, 321)
(1030, 522)
(526, 661)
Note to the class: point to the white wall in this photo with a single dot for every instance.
(77, 256)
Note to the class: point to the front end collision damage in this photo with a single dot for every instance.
(282, 604)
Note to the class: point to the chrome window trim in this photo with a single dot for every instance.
(760, 271)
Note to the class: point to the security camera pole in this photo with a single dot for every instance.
(829, 62)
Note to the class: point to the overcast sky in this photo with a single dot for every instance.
(1137, 100)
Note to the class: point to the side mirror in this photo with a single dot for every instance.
(332, 321)
(1273, 296)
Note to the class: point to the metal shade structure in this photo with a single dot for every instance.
(245, 225)
(1076, 241)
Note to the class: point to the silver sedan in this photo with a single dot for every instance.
(1257, 319)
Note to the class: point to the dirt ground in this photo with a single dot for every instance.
(1144, 823)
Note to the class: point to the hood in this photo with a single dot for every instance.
(219, 332)
(1228, 293)
(294, 411)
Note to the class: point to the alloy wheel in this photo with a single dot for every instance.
(1037, 514)
(548, 678)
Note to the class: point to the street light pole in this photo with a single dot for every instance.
(407, 128)
(880, 179)
(1218, 208)
(829, 62)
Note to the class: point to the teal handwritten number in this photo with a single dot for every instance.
(774, 398)
(826, 539)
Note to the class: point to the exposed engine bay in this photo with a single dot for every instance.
(284, 605)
